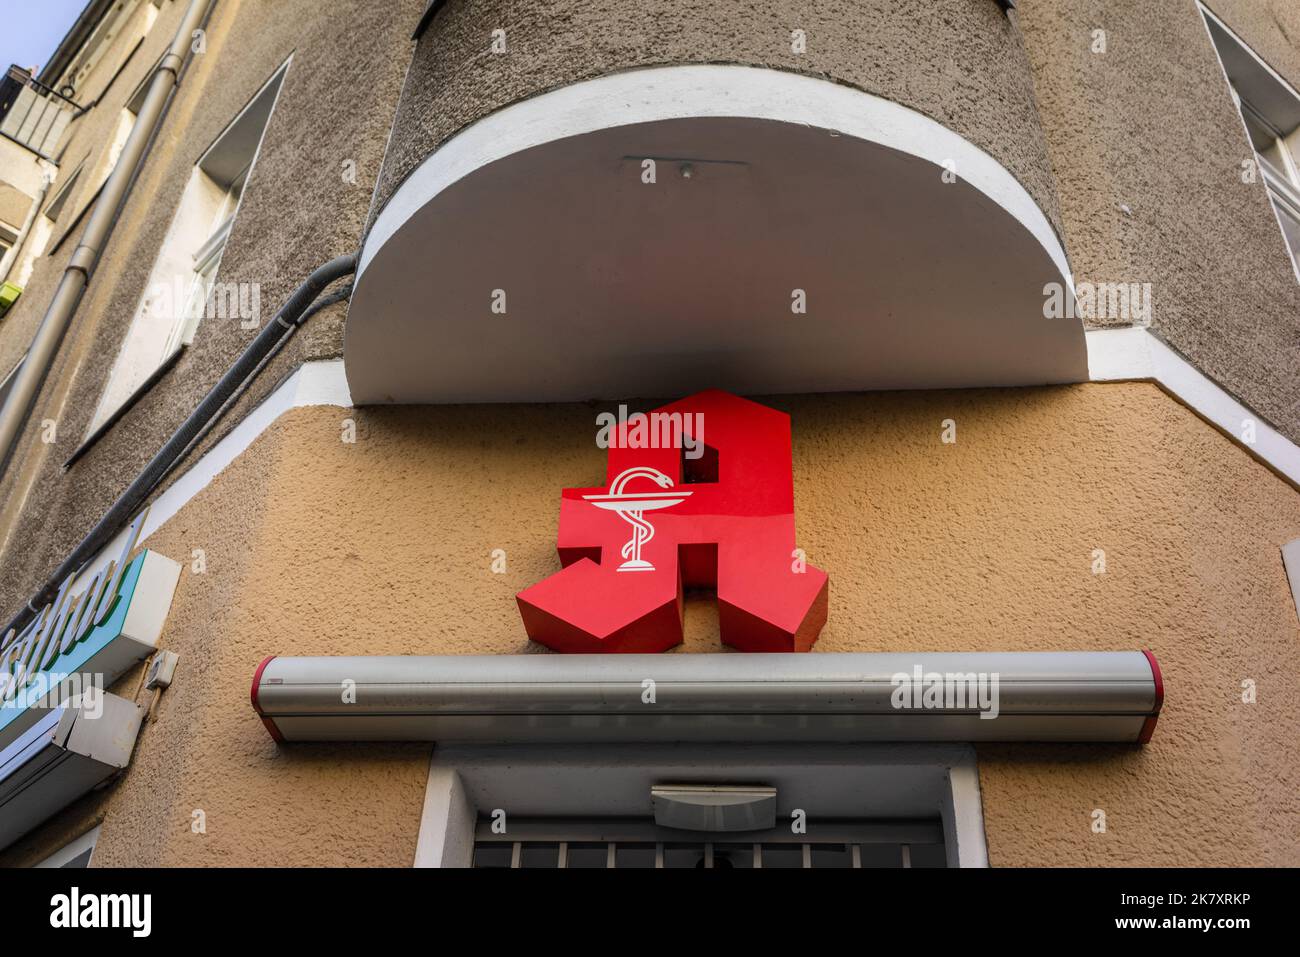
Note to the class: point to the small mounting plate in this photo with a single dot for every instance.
(161, 670)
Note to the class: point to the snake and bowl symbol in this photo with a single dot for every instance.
(632, 506)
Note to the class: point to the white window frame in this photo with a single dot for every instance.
(145, 346)
(1283, 189)
(1291, 563)
(861, 781)
(61, 196)
(207, 261)
(103, 39)
(108, 161)
(73, 849)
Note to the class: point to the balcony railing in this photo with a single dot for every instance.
(33, 114)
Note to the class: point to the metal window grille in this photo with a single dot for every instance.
(637, 843)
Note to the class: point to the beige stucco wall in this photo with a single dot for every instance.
(316, 546)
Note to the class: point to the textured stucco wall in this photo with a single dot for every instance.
(958, 61)
(14, 205)
(315, 546)
(298, 211)
(328, 805)
(20, 168)
(1150, 125)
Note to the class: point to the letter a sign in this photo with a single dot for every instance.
(664, 522)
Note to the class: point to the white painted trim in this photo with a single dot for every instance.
(446, 836)
(1118, 355)
(1206, 16)
(677, 92)
(279, 75)
(963, 815)
(1291, 562)
(1211, 15)
(313, 383)
(72, 849)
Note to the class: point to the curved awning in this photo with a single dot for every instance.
(921, 260)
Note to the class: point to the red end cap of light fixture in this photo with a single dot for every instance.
(1149, 726)
(257, 681)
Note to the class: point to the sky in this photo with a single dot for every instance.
(31, 29)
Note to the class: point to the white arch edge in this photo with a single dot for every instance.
(707, 90)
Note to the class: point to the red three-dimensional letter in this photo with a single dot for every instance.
(628, 549)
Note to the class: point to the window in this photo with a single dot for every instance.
(1270, 109)
(107, 49)
(136, 103)
(121, 131)
(636, 843)
(206, 259)
(75, 854)
(97, 176)
(177, 293)
(591, 805)
(60, 199)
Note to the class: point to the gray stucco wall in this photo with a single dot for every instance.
(1144, 144)
(959, 62)
(1150, 125)
(298, 211)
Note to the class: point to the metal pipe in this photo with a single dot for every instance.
(85, 258)
(339, 295)
(286, 322)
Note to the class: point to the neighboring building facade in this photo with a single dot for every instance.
(1021, 276)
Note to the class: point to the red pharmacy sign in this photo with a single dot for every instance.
(720, 519)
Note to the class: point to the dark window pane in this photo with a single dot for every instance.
(929, 855)
(1261, 137)
(539, 855)
(588, 855)
(783, 855)
(881, 855)
(683, 855)
(634, 855)
(81, 860)
(702, 469)
(832, 855)
(492, 855)
(733, 855)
